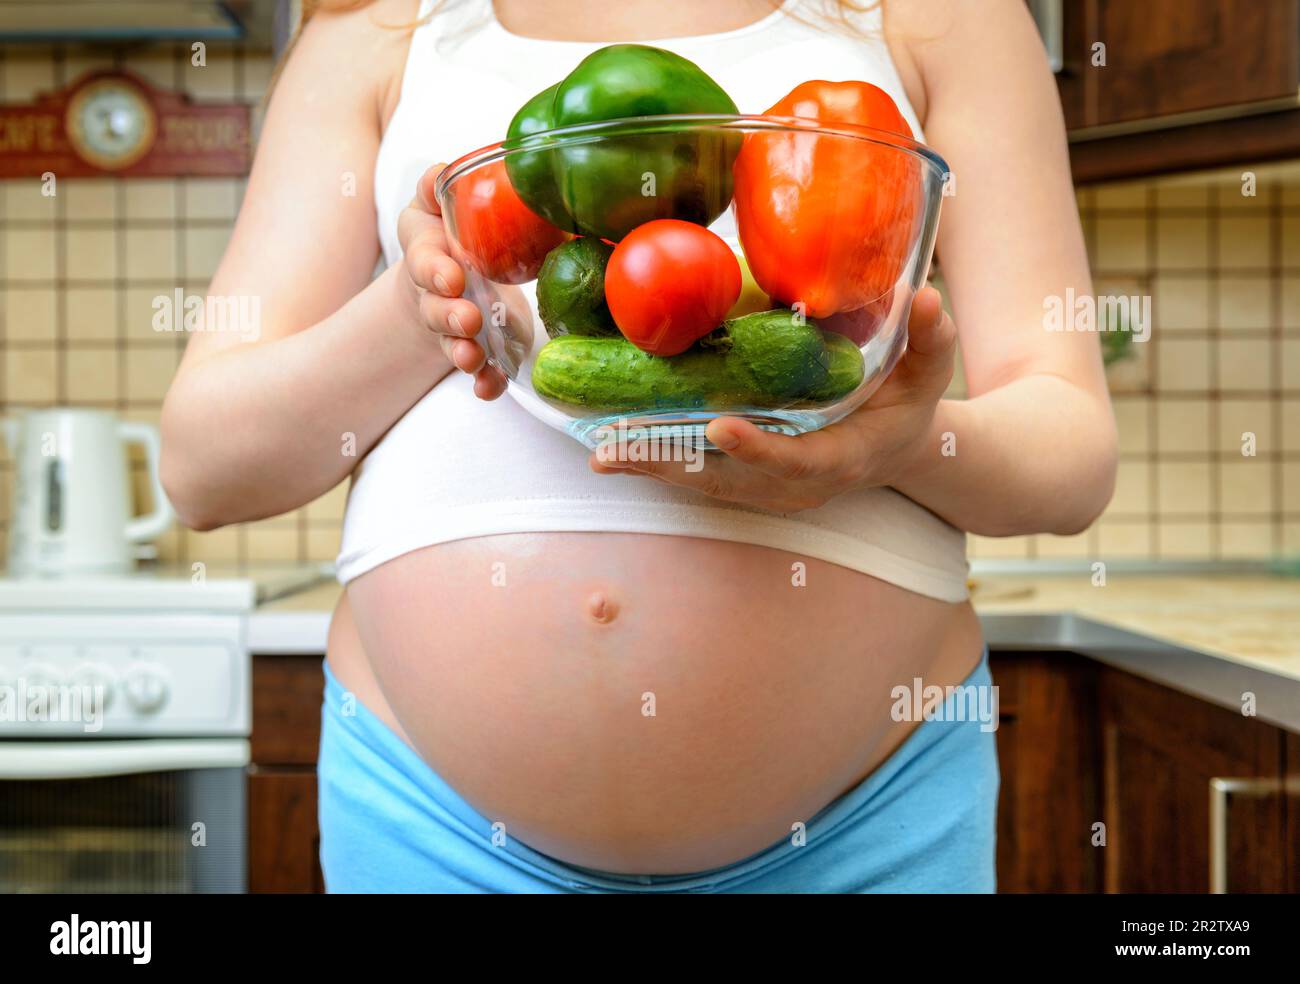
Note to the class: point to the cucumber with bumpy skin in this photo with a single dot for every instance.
(765, 359)
(844, 369)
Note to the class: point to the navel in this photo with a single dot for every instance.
(602, 608)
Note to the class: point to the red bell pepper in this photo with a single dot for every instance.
(828, 221)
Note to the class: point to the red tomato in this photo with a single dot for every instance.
(669, 283)
(862, 323)
(500, 236)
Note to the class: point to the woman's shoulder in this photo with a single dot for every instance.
(366, 43)
(932, 38)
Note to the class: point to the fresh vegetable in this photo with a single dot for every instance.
(670, 283)
(766, 359)
(827, 222)
(779, 354)
(501, 237)
(571, 289)
(752, 297)
(531, 173)
(860, 324)
(609, 187)
(844, 370)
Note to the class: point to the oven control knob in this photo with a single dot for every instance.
(40, 675)
(96, 675)
(145, 687)
(41, 681)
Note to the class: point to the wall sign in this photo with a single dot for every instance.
(116, 123)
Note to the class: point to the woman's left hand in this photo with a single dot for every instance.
(876, 445)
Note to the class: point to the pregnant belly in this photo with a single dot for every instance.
(638, 703)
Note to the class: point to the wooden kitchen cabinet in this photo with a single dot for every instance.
(1081, 744)
(1167, 758)
(1165, 57)
(1048, 756)
(283, 836)
(1291, 811)
(283, 839)
(1186, 84)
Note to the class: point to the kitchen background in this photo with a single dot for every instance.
(79, 271)
(1124, 705)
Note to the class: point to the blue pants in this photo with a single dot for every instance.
(922, 822)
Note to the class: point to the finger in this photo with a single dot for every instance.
(465, 355)
(822, 454)
(455, 316)
(927, 364)
(414, 221)
(489, 383)
(429, 266)
(426, 189)
(468, 356)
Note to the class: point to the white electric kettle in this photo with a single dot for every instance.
(72, 508)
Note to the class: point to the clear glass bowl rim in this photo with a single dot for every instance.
(584, 133)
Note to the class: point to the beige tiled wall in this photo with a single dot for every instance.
(1223, 271)
(79, 271)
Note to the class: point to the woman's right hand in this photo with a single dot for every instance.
(440, 282)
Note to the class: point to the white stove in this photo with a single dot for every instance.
(125, 711)
(157, 652)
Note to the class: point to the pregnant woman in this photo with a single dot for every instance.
(552, 673)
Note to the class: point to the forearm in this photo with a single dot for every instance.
(1034, 456)
(257, 430)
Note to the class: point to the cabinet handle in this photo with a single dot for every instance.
(1220, 789)
(1050, 18)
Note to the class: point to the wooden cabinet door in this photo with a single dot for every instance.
(283, 836)
(1164, 57)
(287, 694)
(1291, 808)
(1048, 754)
(1163, 752)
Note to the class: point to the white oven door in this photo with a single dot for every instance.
(138, 815)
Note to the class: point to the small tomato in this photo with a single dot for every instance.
(669, 283)
(500, 236)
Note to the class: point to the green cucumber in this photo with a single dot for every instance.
(844, 369)
(766, 359)
(613, 374)
(776, 353)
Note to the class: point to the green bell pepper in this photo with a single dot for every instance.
(531, 174)
(608, 187)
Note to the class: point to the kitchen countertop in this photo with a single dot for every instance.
(1217, 637)
(298, 623)
(1213, 636)
(1252, 620)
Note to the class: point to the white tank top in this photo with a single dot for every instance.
(455, 467)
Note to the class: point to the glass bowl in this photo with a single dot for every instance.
(832, 228)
